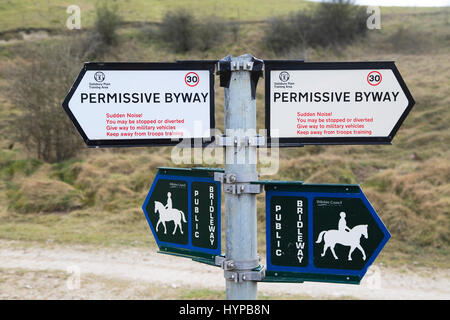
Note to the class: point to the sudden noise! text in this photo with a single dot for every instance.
(144, 97)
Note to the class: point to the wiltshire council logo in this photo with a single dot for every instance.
(284, 76)
(99, 76)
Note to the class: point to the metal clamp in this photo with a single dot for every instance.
(225, 178)
(233, 186)
(239, 188)
(257, 274)
(255, 66)
(236, 65)
(225, 264)
(252, 141)
(239, 271)
(226, 64)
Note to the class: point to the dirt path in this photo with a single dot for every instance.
(146, 266)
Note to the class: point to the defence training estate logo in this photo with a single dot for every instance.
(284, 82)
(284, 76)
(99, 76)
(99, 81)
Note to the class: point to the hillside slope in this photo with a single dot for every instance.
(96, 197)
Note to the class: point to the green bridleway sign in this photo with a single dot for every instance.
(183, 211)
(320, 232)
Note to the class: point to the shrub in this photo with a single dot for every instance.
(177, 30)
(283, 34)
(44, 196)
(408, 40)
(37, 90)
(106, 23)
(183, 32)
(278, 36)
(209, 32)
(98, 41)
(337, 23)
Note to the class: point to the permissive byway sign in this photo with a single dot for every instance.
(132, 104)
(183, 212)
(320, 232)
(334, 102)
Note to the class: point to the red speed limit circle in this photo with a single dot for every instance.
(192, 79)
(374, 78)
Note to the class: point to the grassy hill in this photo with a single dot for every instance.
(52, 14)
(96, 197)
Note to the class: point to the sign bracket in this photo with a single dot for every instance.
(236, 141)
(255, 66)
(231, 185)
(248, 270)
(256, 274)
(240, 188)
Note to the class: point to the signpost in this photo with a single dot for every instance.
(183, 211)
(334, 102)
(320, 232)
(143, 104)
(239, 76)
(314, 232)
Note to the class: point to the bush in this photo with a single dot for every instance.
(209, 32)
(331, 24)
(44, 196)
(98, 41)
(408, 40)
(106, 23)
(177, 30)
(183, 33)
(284, 34)
(37, 90)
(339, 23)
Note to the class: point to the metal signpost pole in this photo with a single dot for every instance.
(240, 169)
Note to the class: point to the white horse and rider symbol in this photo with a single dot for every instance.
(167, 213)
(344, 236)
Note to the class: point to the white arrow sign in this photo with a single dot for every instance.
(335, 103)
(123, 104)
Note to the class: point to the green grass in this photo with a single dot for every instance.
(10, 166)
(52, 14)
(129, 228)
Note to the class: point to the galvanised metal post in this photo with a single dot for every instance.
(240, 157)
